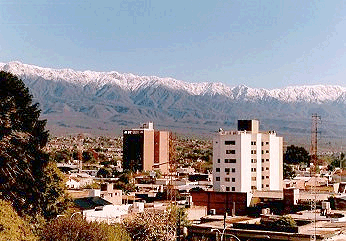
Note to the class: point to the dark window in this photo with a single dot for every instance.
(233, 179)
(227, 179)
(230, 151)
(253, 143)
(227, 189)
(230, 160)
(233, 169)
(253, 151)
(229, 142)
(227, 170)
(233, 189)
(218, 160)
(217, 179)
(217, 169)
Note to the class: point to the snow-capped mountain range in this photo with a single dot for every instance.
(105, 102)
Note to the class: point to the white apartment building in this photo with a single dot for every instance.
(247, 159)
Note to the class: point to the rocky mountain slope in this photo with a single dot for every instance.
(107, 102)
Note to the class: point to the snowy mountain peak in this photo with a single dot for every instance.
(131, 82)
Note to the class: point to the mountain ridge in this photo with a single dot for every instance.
(102, 102)
(136, 82)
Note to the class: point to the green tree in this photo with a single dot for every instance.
(285, 221)
(55, 199)
(22, 160)
(125, 182)
(88, 157)
(288, 171)
(103, 172)
(13, 227)
(61, 155)
(296, 155)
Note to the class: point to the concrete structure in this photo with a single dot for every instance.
(219, 203)
(247, 159)
(110, 194)
(146, 149)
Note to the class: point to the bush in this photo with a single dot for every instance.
(78, 229)
(12, 227)
(156, 225)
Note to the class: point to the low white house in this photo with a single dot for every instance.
(78, 180)
(108, 213)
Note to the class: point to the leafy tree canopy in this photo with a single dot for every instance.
(296, 155)
(23, 163)
(288, 171)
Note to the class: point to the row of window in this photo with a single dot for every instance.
(252, 151)
(253, 143)
(228, 189)
(228, 160)
(253, 169)
(235, 160)
(255, 188)
(227, 179)
(255, 160)
(226, 169)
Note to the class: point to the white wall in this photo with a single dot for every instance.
(244, 170)
(275, 162)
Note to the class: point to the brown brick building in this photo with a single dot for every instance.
(146, 149)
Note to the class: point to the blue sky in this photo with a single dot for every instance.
(266, 44)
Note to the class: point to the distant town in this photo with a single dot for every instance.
(242, 185)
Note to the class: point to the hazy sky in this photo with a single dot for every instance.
(260, 43)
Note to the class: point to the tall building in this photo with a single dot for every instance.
(247, 159)
(146, 149)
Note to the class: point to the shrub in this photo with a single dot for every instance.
(78, 229)
(12, 227)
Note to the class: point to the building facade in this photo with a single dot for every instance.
(247, 159)
(146, 149)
